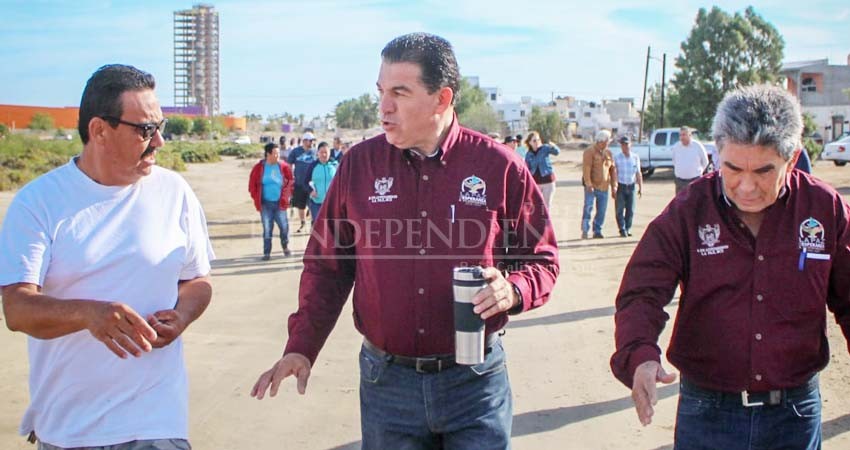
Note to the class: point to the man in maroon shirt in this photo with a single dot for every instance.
(404, 209)
(760, 251)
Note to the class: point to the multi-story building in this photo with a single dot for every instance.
(824, 92)
(196, 58)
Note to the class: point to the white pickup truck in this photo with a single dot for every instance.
(658, 152)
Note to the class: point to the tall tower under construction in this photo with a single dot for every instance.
(196, 66)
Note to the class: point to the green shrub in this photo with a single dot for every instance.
(170, 160)
(812, 148)
(41, 121)
(242, 151)
(178, 125)
(22, 158)
(195, 152)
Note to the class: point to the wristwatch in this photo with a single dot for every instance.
(518, 307)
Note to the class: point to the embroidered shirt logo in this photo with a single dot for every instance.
(382, 188)
(710, 236)
(473, 191)
(811, 235)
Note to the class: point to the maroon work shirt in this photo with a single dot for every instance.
(394, 225)
(752, 314)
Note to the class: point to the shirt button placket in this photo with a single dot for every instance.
(422, 195)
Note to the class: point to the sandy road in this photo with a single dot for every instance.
(564, 394)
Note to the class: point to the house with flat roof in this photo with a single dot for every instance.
(824, 92)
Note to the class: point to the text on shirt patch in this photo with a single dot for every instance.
(473, 191)
(710, 236)
(811, 235)
(382, 188)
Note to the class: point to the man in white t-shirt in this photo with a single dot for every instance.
(104, 262)
(689, 159)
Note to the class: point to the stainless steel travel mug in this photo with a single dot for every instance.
(469, 327)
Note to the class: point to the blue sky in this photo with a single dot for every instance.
(306, 56)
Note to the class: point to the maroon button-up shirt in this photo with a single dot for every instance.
(752, 313)
(394, 225)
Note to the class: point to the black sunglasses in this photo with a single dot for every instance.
(147, 129)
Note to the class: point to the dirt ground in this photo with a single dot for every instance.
(564, 394)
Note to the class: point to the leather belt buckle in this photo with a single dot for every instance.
(429, 365)
(745, 400)
(773, 398)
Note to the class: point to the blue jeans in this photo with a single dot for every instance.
(463, 407)
(270, 213)
(314, 209)
(625, 206)
(708, 420)
(601, 198)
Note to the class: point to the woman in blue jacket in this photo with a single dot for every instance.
(540, 166)
(319, 177)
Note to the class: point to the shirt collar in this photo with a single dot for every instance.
(451, 141)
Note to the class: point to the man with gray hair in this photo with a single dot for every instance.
(749, 349)
(598, 174)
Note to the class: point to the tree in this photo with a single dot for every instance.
(218, 126)
(201, 125)
(809, 124)
(361, 112)
(722, 53)
(481, 117)
(4, 130)
(178, 126)
(474, 111)
(809, 128)
(41, 121)
(468, 97)
(548, 124)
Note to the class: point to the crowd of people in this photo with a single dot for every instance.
(295, 179)
(105, 262)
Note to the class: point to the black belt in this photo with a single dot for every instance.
(750, 399)
(426, 364)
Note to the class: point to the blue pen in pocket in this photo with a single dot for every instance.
(801, 264)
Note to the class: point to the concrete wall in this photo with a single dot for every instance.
(19, 116)
(823, 116)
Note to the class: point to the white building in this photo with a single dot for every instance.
(581, 118)
(515, 115)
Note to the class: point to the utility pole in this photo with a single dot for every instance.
(663, 83)
(643, 99)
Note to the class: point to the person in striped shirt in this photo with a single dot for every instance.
(628, 174)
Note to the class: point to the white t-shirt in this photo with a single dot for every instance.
(81, 240)
(689, 161)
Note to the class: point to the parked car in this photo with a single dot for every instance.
(658, 152)
(838, 152)
(242, 140)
